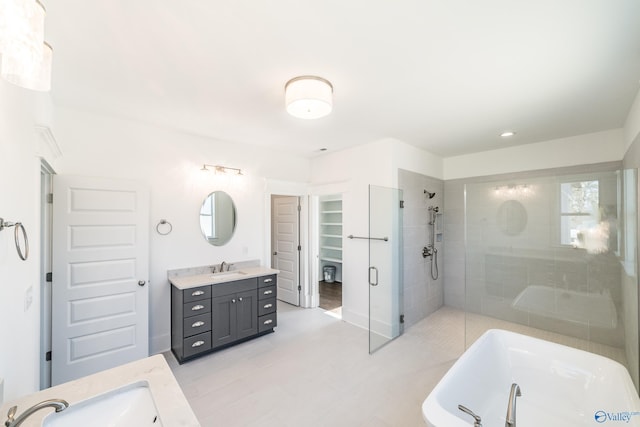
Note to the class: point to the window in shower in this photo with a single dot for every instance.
(579, 203)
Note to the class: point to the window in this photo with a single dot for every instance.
(579, 203)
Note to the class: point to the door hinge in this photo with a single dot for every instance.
(299, 247)
(299, 208)
(299, 288)
(48, 278)
(47, 356)
(49, 197)
(402, 318)
(401, 204)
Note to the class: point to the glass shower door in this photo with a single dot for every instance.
(385, 262)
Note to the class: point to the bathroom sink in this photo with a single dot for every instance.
(128, 406)
(228, 275)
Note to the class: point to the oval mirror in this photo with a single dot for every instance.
(218, 218)
(511, 217)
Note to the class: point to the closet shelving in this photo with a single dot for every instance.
(331, 232)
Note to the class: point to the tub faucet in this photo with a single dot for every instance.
(477, 421)
(511, 408)
(58, 404)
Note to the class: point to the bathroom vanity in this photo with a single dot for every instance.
(210, 311)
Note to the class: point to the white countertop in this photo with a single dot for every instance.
(193, 281)
(173, 408)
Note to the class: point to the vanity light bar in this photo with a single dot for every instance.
(221, 169)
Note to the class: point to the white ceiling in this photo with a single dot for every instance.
(445, 75)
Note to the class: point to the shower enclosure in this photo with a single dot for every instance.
(554, 256)
(385, 266)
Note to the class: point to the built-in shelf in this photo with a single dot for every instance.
(331, 233)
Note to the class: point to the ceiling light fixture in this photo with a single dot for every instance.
(308, 97)
(26, 57)
(220, 169)
(507, 134)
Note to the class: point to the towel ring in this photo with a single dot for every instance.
(164, 222)
(16, 235)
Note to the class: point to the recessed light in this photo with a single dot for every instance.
(507, 134)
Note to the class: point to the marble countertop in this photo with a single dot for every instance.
(193, 281)
(172, 405)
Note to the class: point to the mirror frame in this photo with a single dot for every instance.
(233, 217)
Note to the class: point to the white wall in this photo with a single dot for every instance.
(632, 123)
(576, 150)
(169, 162)
(20, 148)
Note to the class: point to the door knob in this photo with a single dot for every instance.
(141, 283)
(275, 253)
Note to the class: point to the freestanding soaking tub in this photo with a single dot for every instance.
(561, 386)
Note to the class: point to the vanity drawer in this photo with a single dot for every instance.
(195, 294)
(266, 306)
(197, 344)
(270, 280)
(267, 322)
(197, 307)
(197, 324)
(234, 287)
(268, 292)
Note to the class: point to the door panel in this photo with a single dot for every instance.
(100, 255)
(223, 320)
(385, 261)
(247, 314)
(285, 236)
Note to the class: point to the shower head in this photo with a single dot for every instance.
(429, 194)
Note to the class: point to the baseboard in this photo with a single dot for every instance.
(160, 344)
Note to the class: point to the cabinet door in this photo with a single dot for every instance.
(223, 320)
(247, 314)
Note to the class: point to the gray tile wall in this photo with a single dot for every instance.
(487, 271)
(422, 294)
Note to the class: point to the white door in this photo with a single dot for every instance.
(100, 272)
(285, 237)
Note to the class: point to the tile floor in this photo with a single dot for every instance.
(315, 371)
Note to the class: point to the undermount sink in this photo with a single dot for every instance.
(128, 406)
(227, 275)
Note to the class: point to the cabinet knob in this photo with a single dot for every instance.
(240, 299)
(233, 301)
(197, 344)
(197, 307)
(197, 293)
(197, 324)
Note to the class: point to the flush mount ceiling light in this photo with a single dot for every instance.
(26, 57)
(507, 134)
(221, 169)
(308, 97)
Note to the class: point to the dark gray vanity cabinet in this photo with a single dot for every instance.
(214, 316)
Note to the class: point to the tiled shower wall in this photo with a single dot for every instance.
(422, 294)
(491, 269)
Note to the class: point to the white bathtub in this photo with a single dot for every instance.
(561, 386)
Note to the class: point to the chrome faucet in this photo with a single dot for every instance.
(511, 408)
(58, 404)
(477, 421)
(222, 264)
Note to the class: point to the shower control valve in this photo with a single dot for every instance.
(427, 251)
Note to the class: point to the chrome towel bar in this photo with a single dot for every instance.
(351, 236)
(16, 235)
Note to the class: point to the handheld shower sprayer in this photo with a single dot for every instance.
(430, 195)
